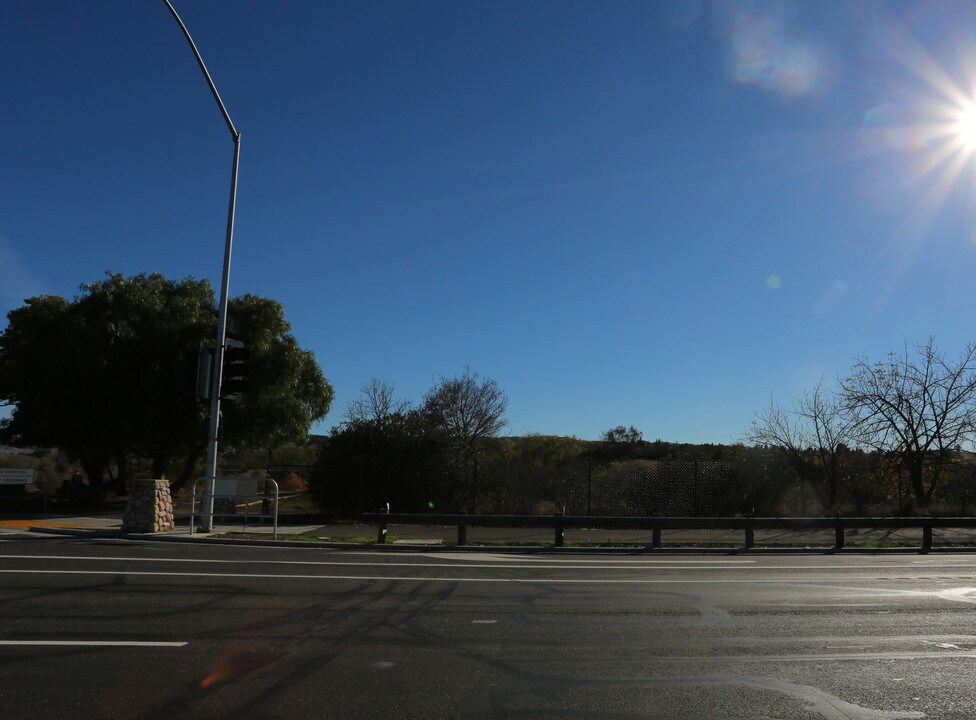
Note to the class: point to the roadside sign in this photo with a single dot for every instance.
(238, 487)
(16, 476)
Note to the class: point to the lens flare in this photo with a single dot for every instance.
(965, 126)
(237, 663)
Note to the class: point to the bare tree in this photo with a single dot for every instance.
(377, 402)
(918, 407)
(469, 410)
(809, 435)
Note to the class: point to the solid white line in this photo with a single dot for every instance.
(525, 581)
(650, 562)
(632, 564)
(93, 643)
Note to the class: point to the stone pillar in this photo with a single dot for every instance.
(150, 508)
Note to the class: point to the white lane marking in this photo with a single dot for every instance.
(579, 560)
(93, 643)
(651, 564)
(524, 581)
(483, 622)
(963, 594)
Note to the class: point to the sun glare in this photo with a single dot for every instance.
(965, 126)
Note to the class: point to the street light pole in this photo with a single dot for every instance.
(214, 429)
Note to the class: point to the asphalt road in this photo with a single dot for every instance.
(91, 630)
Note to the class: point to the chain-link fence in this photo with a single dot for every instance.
(756, 482)
(584, 486)
(752, 481)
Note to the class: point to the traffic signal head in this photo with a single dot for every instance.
(205, 360)
(233, 384)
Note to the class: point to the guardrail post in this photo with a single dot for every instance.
(462, 533)
(927, 537)
(750, 536)
(839, 538)
(560, 535)
(656, 538)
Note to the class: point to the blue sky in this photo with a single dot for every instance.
(648, 213)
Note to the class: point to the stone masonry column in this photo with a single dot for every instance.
(150, 507)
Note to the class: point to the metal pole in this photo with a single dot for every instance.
(213, 433)
(214, 429)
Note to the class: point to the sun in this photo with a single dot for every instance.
(964, 126)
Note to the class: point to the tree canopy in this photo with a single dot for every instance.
(109, 376)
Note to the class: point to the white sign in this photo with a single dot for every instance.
(16, 476)
(239, 487)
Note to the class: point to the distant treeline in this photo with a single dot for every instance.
(359, 472)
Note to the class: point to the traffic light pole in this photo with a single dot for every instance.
(213, 433)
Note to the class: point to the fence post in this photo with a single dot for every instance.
(474, 489)
(839, 538)
(927, 537)
(589, 485)
(559, 535)
(697, 512)
(656, 537)
(462, 529)
(750, 535)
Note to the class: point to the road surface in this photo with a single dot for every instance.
(92, 630)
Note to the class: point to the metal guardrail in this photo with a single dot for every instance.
(748, 525)
(226, 494)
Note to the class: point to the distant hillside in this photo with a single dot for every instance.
(10, 450)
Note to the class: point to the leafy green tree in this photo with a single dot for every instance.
(109, 376)
(287, 390)
(623, 435)
(620, 442)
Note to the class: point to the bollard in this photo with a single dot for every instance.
(750, 537)
(381, 526)
(560, 536)
(839, 538)
(462, 534)
(926, 537)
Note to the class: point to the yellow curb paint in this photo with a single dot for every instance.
(39, 523)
